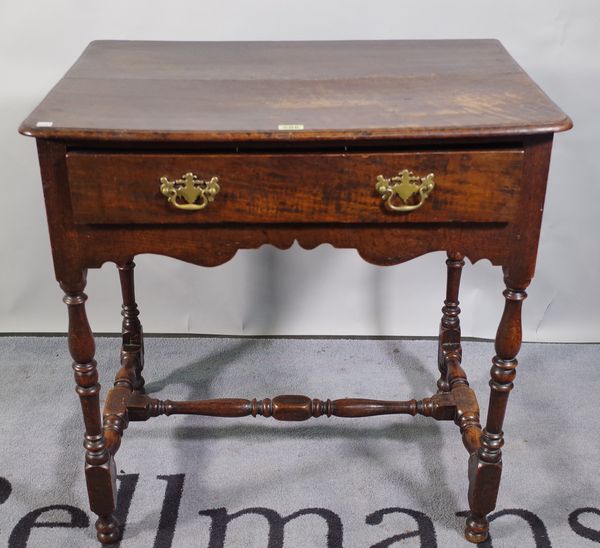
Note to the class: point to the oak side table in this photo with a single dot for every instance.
(197, 150)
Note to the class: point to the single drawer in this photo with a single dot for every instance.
(125, 188)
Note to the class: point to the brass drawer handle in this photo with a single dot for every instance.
(405, 185)
(190, 189)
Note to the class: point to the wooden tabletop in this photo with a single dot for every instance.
(229, 91)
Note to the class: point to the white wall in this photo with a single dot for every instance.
(324, 291)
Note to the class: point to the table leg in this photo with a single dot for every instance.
(485, 466)
(133, 335)
(100, 469)
(449, 338)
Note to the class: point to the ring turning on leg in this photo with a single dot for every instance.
(133, 335)
(449, 338)
(485, 466)
(100, 470)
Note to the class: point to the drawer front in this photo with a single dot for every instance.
(125, 188)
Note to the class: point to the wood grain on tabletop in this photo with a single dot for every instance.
(185, 91)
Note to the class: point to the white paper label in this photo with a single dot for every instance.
(44, 124)
(290, 127)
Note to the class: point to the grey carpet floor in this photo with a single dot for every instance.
(376, 482)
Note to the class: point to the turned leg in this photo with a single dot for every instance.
(133, 336)
(449, 339)
(100, 470)
(485, 466)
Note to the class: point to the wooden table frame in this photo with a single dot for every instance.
(77, 246)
